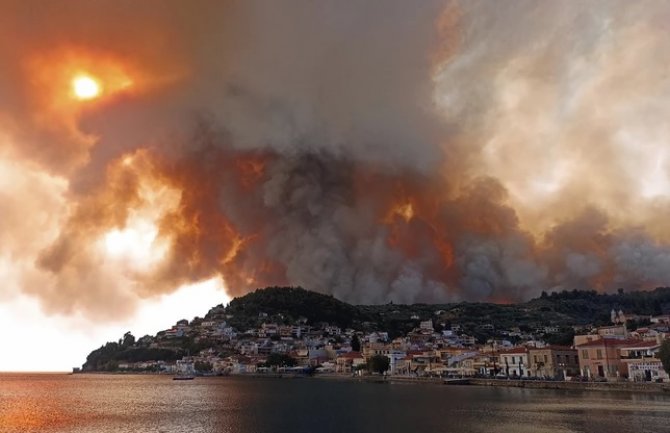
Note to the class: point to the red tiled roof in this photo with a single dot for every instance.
(553, 347)
(607, 342)
(351, 355)
(640, 344)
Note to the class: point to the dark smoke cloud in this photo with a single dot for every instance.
(379, 150)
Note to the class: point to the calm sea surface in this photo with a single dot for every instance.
(135, 404)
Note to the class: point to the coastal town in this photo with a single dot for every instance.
(629, 348)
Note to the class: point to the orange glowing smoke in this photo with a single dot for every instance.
(64, 77)
(404, 210)
(251, 170)
(416, 229)
(381, 176)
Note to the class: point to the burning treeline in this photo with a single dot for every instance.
(379, 151)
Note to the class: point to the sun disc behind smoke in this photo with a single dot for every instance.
(85, 87)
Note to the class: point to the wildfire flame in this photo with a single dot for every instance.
(379, 177)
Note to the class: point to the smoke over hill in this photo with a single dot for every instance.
(378, 151)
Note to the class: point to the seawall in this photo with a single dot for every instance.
(577, 386)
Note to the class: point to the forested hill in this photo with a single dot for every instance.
(290, 305)
(590, 306)
(567, 308)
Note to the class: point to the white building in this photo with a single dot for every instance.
(427, 325)
(514, 362)
(641, 359)
(395, 357)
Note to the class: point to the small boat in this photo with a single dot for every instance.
(183, 377)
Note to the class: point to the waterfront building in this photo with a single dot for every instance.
(556, 362)
(348, 362)
(642, 362)
(601, 359)
(514, 362)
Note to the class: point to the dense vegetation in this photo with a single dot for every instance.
(590, 305)
(287, 305)
(481, 320)
(378, 364)
(108, 357)
(280, 360)
(664, 355)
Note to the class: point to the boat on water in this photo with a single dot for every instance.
(183, 377)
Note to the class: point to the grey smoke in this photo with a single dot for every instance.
(525, 144)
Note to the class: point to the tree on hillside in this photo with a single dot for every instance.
(203, 366)
(128, 340)
(633, 325)
(355, 344)
(664, 355)
(379, 364)
(565, 337)
(280, 360)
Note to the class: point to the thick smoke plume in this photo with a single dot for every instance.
(379, 150)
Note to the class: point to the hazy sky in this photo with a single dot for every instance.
(154, 153)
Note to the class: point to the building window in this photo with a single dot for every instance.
(545, 359)
(599, 354)
(585, 354)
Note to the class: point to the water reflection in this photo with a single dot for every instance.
(124, 404)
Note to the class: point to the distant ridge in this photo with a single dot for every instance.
(566, 308)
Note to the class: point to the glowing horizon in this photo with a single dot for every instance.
(50, 334)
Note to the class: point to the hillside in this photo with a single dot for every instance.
(589, 306)
(562, 311)
(289, 304)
